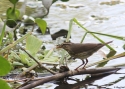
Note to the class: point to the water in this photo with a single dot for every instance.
(105, 16)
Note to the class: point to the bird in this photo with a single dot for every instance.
(81, 50)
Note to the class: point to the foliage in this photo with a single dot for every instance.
(42, 24)
(2, 34)
(13, 13)
(112, 50)
(18, 58)
(4, 85)
(33, 44)
(4, 69)
(4, 66)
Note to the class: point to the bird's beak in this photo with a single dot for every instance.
(58, 46)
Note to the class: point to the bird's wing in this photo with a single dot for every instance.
(78, 48)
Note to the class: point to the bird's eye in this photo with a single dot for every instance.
(65, 46)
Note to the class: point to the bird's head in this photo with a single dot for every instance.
(65, 46)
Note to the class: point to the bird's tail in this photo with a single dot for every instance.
(100, 45)
(107, 42)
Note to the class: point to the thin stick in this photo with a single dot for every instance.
(40, 64)
(35, 65)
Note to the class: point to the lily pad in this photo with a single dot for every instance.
(33, 44)
(5, 67)
(4, 85)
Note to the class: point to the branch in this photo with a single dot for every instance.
(40, 64)
(69, 73)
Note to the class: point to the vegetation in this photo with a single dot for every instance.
(28, 51)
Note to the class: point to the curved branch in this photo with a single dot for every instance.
(69, 73)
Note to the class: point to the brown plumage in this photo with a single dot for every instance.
(81, 51)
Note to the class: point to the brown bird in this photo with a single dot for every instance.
(81, 51)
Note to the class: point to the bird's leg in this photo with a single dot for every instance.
(80, 65)
(85, 63)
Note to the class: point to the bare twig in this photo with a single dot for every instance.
(35, 65)
(23, 84)
(39, 63)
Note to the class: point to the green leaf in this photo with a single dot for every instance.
(11, 23)
(33, 44)
(24, 57)
(17, 64)
(12, 13)
(14, 1)
(109, 35)
(70, 30)
(110, 54)
(75, 20)
(4, 85)
(10, 36)
(42, 24)
(5, 66)
(14, 56)
(51, 59)
(2, 33)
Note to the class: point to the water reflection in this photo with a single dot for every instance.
(85, 84)
(95, 15)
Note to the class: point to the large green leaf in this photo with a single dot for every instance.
(5, 66)
(42, 24)
(33, 44)
(4, 85)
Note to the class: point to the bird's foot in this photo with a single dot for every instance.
(77, 70)
(84, 68)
